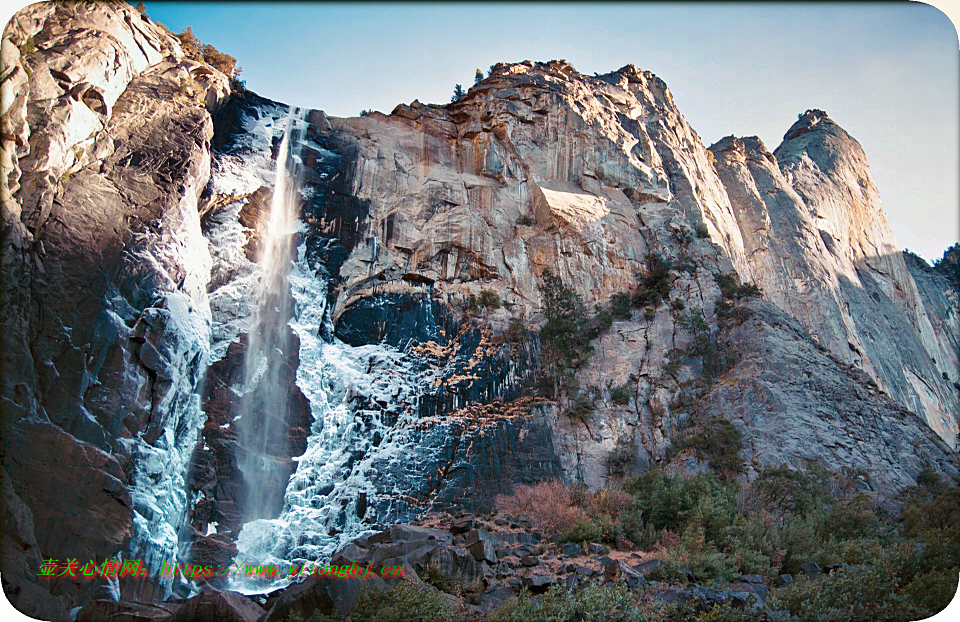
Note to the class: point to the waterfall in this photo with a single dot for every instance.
(264, 408)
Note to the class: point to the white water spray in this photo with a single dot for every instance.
(265, 404)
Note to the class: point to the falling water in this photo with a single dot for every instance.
(265, 403)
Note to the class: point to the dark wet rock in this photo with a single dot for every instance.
(649, 567)
(704, 598)
(218, 606)
(462, 524)
(529, 560)
(571, 549)
(128, 611)
(493, 598)
(784, 579)
(811, 569)
(410, 532)
(758, 579)
(482, 545)
(538, 583)
(324, 594)
(616, 570)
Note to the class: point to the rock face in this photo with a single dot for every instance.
(136, 192)
(105, 315)
(820, 248)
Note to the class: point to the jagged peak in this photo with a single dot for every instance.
(743, 144)
(808, 121)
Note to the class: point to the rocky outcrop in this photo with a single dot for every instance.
(135, 198)
(819, 246)
(106, 131)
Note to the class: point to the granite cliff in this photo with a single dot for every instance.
(135, 192)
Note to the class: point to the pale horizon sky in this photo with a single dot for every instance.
(888, 73)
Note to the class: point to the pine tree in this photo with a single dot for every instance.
(458, 92)
(478, 77)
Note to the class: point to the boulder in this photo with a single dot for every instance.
(127, 611)
(400, 532)
(571, 549)
(811, 569)
(782, 580)
(704, 598)
(616, 570)
(649, 567)
(328, 595)
(482, 545)
(538, 583)
(218, 606)
(463, 524)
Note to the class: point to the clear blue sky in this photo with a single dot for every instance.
(887, 73)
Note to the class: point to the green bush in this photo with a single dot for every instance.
(565, 337)
(595, 602)
(715, 440)
(677, 305)
(702, 232)
(655, 284)
(731, 288)
(404, 601)
(700, 556)
(584, 530)
(620, 305)
(622, 394)
(526, 220)
(489, 299)
(316, 616)
(581, 409)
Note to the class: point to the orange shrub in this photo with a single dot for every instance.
(610, 501)
(547, 504)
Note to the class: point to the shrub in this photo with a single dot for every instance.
(595, 602)
(612, 501)
(620, 305)
(622, 394)
(526, 220)
(316, 616)
(548, 504)
(404, 601)
(565, 337)
(581, 409)
(224, 63)
(489, 299)
(702, 232)
(584, 530)
(456, 584)
(857, 594)
(603, 319)
(949, 265)
(715, 440)
(732, 289)
(28, 47)
(473, 304)
(677, 305)
(700, 556)
(516, 331)
(655, 284)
